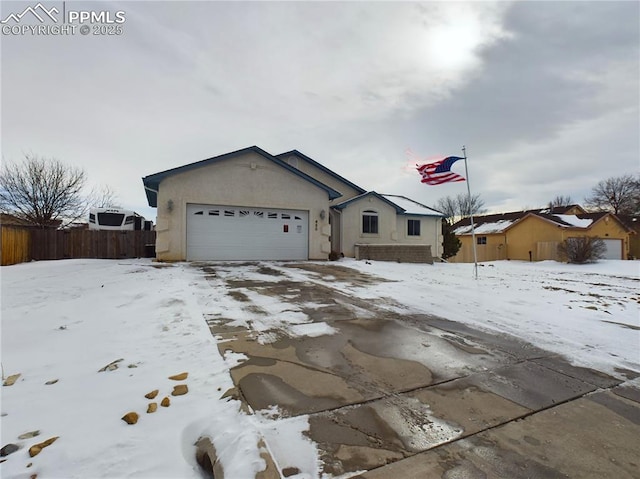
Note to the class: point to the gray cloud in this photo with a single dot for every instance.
(542, 93)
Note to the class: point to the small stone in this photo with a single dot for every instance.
(166, 402)
(35, 449)
(11, 379)
(30, 464)
(179, 377)
(290, 471)
(130, 417)
(130, 366)
(230, 393)
(152, 394)
(33, 476)
(53, 381)
(111, 366)
(153, 407)
(8, 449)
(180, 390)
(29, 435)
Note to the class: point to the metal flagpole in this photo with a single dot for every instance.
(473, 230)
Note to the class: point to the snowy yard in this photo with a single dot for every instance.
(64, 321)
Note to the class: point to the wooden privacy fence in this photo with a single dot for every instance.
(15, 245)
(48, 244)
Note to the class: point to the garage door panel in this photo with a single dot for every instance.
(614, 248)
(238, 233)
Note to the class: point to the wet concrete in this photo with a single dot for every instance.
(415, 395)
(585, 438)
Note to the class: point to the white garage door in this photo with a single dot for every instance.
(614, 248)
(237, 233)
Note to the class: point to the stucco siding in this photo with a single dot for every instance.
(430, 232)
(392, 228)
(352, 224)
(250, 180)
(323, 177)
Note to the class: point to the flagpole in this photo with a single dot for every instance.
(473, 230)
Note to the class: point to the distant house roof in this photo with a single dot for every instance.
(152, 182)
(322, 168)
(10, 220)
(631, 222)
(499, 223)
(402, 204)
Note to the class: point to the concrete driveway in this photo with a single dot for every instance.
(397, 394)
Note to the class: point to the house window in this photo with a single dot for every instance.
(229, 212)
(370, 222)
(413, 227)
(214, 212)
(481, 240)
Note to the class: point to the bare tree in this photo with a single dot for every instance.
(467, 206)
(560, 201)
(582, 249)
(104, 197)
(43, 192)
(620, 195)
(460, 206)
(447, 206)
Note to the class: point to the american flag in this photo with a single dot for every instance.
(440, 171)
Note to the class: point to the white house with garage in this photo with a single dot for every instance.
(251, 205)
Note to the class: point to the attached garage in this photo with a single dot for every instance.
(614, 249)
(222, 232)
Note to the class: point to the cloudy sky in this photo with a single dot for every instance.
(544, 95)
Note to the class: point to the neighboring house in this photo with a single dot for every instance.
(534, 235)
(251, 205)
(633, 223)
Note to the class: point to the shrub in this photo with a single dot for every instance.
(582, 249)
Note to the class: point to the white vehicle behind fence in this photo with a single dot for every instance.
(116, 219)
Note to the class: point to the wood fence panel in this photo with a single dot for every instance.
(547, 250)
(19, 244)
(15, 245)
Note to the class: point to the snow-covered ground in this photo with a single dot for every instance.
(66, 320)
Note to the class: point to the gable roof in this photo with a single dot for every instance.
(322, 168)
(559, 210)
(412, 207)
(402, 204)
(499, 223)
(346, 203)
(152, 182)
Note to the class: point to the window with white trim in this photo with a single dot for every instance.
(370, 222)
(413, 227)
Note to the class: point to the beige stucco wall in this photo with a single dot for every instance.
(430, 232)
(392, 229)
(250, 180)
(347, 191)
